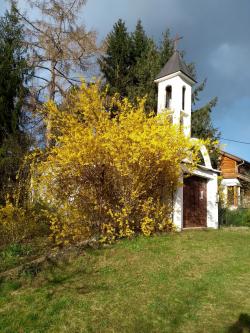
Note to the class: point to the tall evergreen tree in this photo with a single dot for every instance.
(13, 91)
(116, 63)
(139, 41)
(144, 63)
(202, 127)
(166, 49)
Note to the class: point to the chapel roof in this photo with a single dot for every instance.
(175, 64)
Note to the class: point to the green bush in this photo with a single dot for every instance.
(237, 217)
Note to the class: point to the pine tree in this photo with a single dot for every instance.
(12, 66)
(139, 41)
(166, 49)
(116, 63)
(142, 71)
(202, 126)
(13, 91)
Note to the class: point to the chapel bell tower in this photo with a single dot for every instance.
(175, 91)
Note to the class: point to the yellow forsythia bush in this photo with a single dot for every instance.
(112, 170)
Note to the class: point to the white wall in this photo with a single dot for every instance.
(178, 207)
(177, 82)
(212, 202)
(212, 199)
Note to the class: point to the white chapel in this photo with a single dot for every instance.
(196, 201)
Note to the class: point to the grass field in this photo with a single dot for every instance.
(195, 281)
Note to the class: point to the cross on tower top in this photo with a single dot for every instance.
(176, 40)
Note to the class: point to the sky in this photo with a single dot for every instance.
(216, 38)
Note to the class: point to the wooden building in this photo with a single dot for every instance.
(235, 172)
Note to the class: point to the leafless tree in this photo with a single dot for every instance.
(59, 46)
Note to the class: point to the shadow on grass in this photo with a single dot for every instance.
(76, 278)
(242, 325)
(71, 274)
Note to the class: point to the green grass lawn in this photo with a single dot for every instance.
(195, 281)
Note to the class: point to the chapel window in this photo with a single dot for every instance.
(168, 97)
(183, 97)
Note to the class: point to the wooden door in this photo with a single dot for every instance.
(194, 202)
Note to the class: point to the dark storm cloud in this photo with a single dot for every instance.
(216, 34)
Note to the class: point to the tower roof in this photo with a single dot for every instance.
(175, 64)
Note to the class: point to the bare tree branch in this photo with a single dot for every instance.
(58, 46)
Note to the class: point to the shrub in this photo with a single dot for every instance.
(236, 217)
(13, 224)
(18, 224)
(110, 175)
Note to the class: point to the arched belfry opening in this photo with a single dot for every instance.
(168, 97)
(183, 97)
